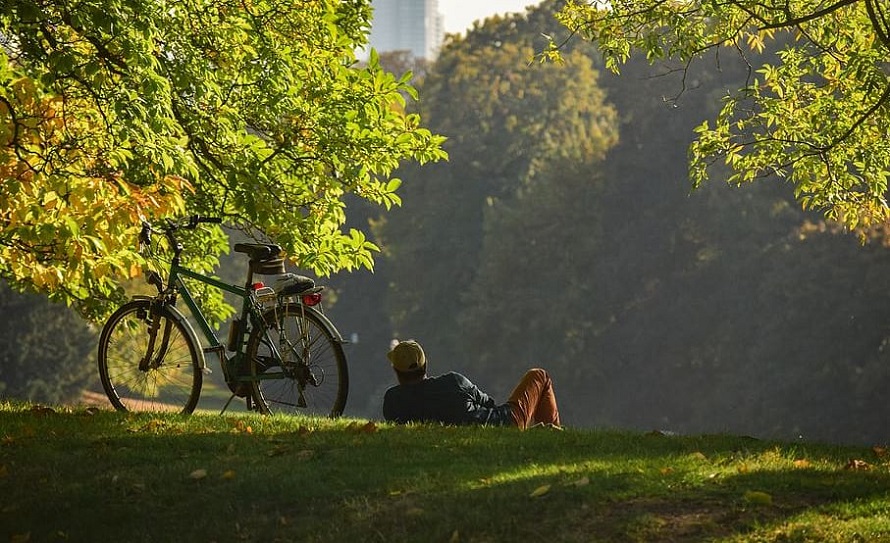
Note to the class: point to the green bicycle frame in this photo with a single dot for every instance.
(176, 271)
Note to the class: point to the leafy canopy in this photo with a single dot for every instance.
(819, 115)
(116, 110)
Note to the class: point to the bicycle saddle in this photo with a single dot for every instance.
(258, 251)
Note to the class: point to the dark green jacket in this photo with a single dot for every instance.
(449, 399)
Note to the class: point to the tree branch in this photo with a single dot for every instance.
(795, 21)
(878, 21)
(885, 96)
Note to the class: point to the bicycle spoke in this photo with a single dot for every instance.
(312, 378)
(173, 383)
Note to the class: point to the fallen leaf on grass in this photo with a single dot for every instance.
(802, 463)
(151, 426)
(278, 450)
(242, 427)
(583, 481)
(455, 537)
(756, 497)
(540, 491)
(305, 454)
(228, 474)
(367, 428)
(198, 474)
(857, 465)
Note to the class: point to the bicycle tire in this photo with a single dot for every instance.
(173, 383)
(312, 381)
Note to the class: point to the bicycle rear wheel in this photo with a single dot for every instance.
(171, 377)
(310, 377)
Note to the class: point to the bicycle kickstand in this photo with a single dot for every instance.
(232, 397)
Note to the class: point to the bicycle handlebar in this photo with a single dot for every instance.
(172, 226)
(195, 220)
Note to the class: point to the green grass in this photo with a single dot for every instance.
(79, 475)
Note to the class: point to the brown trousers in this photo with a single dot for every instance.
(533, 400)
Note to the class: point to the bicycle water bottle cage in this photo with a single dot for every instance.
(291, 283)
(264, 257)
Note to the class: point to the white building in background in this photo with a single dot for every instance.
(407, 25)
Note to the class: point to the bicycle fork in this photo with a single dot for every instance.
(154, 362)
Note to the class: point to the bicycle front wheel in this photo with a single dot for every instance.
(141, 374)
(297, 364)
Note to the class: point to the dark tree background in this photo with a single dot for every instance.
(563, 233)
(717, 310)
(48, 351)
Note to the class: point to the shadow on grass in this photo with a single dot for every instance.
(88, 478)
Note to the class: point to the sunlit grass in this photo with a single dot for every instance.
(92, 475)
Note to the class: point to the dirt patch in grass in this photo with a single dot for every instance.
(685, 519)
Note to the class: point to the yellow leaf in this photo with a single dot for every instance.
(758, 498)
(540, 491)
(198, 474)
(305, 454)
(278, 450)
(802, 463)
(857, 465)
(228, 474)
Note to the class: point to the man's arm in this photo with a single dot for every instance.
(479, 398)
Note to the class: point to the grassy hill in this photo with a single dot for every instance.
(96, 475)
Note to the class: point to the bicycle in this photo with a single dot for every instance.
(282, 353)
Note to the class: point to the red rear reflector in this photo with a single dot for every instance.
(312, 299)
(257, 286)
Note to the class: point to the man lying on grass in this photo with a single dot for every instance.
(453, 399)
